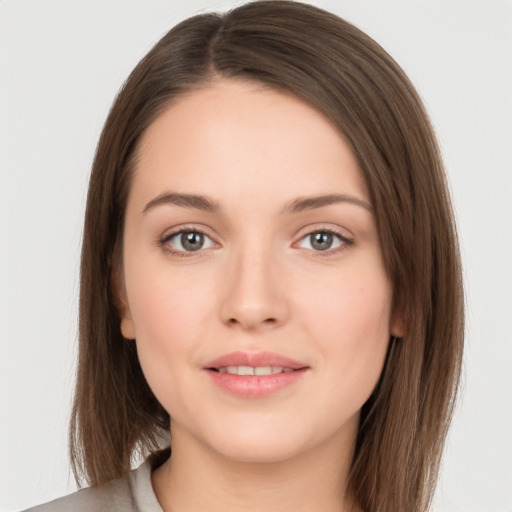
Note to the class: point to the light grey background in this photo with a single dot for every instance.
(61, 63)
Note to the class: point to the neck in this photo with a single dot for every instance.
(198, 479)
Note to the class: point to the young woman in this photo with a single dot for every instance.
(270, 277)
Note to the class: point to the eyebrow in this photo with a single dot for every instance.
(203, 203)
(309, 203)
(186, 200)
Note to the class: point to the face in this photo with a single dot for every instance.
(252, 276)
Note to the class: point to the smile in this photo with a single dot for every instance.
(252, 370)
(254, 375)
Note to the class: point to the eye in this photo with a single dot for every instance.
(323, 240)
(188, 241)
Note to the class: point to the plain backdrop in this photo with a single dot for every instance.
(61, 63)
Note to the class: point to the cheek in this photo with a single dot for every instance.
(172, 311)
(167, 313)
(166, 305)
(350, 321)
(354, 304)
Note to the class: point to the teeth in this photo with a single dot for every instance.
(242, 370)
(251, 370)
(267, 370)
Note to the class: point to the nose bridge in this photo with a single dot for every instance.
(253, 295)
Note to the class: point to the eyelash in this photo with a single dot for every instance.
(345, 242)
(163, 242)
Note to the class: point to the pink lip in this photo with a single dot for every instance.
(254, 386)
(254, 359)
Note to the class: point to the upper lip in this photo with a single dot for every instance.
(255, 359)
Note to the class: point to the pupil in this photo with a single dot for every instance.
(192, 241)
(321, 241)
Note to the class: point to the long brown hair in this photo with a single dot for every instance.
(340, 71)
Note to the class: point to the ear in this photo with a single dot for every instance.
(121, 302)
(127, 327)
(397, 327)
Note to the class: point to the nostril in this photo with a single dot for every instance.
(267, 321)
(251, 318)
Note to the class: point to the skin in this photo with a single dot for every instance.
(257, 285)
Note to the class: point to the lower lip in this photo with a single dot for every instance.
(255, 386)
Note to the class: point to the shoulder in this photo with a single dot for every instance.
(133, 493)
(113, 497)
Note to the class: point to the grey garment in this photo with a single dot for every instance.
(134, 493)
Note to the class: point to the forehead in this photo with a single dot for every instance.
(238, 137)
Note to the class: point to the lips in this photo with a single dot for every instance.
(253, 370)
(254, 360)
(254, 375)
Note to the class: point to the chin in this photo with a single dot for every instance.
(263, 451)
(260, 443)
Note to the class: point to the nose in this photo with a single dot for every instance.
(253, 293)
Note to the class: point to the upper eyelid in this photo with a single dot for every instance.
(170, 232)
(341, 236)
(319, 227)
